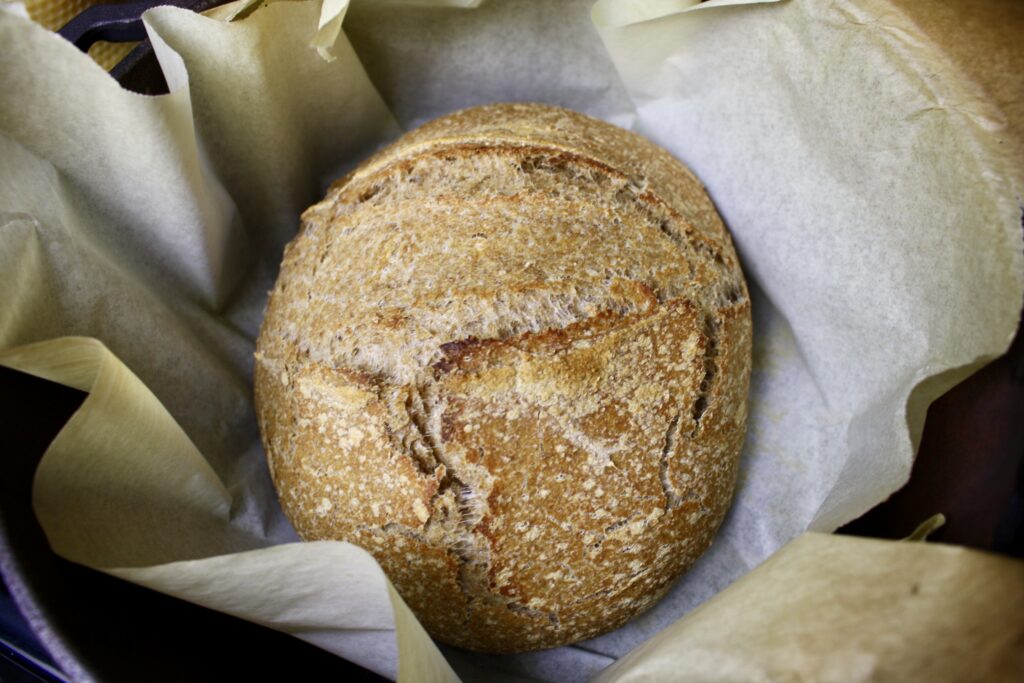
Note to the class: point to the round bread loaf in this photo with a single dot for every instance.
(509, 356)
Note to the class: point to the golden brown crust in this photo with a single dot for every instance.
(509, 355)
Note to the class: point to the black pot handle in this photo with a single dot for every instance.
(116, 23)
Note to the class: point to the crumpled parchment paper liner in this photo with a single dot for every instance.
(907, 612)
(122, 450)
(860, 172)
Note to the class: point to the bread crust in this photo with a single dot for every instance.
(510, 355)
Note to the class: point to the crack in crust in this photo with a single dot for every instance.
(700, 405)
(663, 219)
(521, 609)
(660, 215)
(672, 498)
(615, 526)
(469, 550)
(420, 446)
(604, 592)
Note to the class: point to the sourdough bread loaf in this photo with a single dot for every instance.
(509, 356)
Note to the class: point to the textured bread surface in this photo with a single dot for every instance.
(509, 355)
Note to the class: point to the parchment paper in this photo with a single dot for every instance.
(866, 180)
(909, 612)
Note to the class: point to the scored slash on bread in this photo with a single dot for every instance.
(509, 356)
